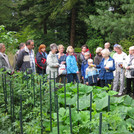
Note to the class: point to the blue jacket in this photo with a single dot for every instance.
(71, 64)
(83, 68)
(106, 75)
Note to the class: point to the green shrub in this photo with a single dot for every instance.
(94, 43)
(126, 43)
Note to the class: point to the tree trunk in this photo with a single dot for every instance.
(72, 32)
(45, 26)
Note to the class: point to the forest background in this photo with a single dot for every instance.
(67, 22)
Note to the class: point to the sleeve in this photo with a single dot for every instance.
(86, 76)
(71, 67)
(39, 58)
(19, 60)
(96, 62)
(1, 64)
(50, 62)
(112, 68)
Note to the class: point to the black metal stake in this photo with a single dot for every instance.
(77, 96)
(100, 124)
(108, 103)
(11, 103)
(34, 89)
(65, 91)
(70, 119)
(54, 91)
(90, 106)
(41, 107)
(50, 103)
(6, 93)
(21, 124)
(58, 128)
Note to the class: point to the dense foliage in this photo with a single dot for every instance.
(118, 120)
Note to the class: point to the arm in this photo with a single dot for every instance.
(50, 62)
(96, 61)
(82, 70)
(39, 57)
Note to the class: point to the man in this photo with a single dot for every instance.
(21, 46)
(119, 76)
(26, 60)
(4, 61)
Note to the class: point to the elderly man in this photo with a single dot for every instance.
(4, 62)
(120, 61)
(25, 61)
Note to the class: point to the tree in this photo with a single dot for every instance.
(114, 19)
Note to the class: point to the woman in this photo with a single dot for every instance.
(62, 61)
(107, 66)
(129, 68)
(52, 62)
(98, 56)
(41, 60)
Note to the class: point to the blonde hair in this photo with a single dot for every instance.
(106, 52)
(60, 46)
(107, 43)
(87, 53)
(69, 47)
(90, 60)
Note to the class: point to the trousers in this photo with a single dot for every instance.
(119, 78)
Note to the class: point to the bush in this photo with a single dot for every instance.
(126, 43)
(94, 43)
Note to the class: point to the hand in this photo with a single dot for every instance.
(57, 66)
(63, 62)
(92, 65)
(77, 72)
(106, 68)
(86, 83)
(98, 79)
(128, 68)
(82, 78)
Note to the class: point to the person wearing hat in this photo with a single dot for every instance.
(114, 50)
(119, 74)
(129, 66)
(98, 57)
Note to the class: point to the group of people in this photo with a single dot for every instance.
(107, 67)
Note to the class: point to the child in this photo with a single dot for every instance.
(91, 74)
(72, 68)
(84, 65)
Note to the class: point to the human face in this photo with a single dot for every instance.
(43, 49)
(3, 49)
(84, 49)
(107, 46)
(86, 57)
(71, 52)
(54, 51)
(115, 49)
(131, 52)
(90, 63)
(61, 50)
(104, 55)
(31, 46)
(119, 51)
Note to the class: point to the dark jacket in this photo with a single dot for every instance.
(97, 59)
(81, 58)
(39, 58)
(106, 74)
(23, 61)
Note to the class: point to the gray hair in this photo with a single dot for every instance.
(53, 46)
(120, 47)
(1, 45)
(98, 50)
(21, 45)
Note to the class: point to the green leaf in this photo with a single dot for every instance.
(127, 100)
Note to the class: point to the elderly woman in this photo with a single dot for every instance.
(130, 70)
(62, 61)
(98, 57)
(120, 61)
(52, 62)
(41, 60)
(107, 66)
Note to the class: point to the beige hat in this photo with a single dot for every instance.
(98, 50)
